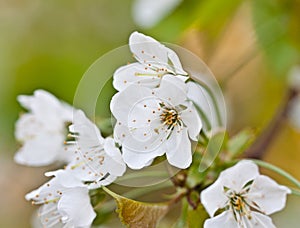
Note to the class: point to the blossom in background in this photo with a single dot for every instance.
(147, 13)
(42, 131)
(97, 160)
(153, 122)
(244, 197)
(154, 61)
(64, 201)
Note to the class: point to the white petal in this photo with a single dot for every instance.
(123, 101)
(113, 161)
(224, 220)
(147, 13)
(46, 105)
(148, 51)
(28, 126)
(238, 175)
(139, 160)
(75, 205)
(89, 134)
(41, 150)
(179, 150)
(193, 122)
(65, 178)
(172, 90)
(267, 194)
(259, 220)
(40, 100)
(49, 216)
(135, 73)
(213, 198)
(176, 62)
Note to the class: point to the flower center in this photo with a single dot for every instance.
(170, 117)
(239, 205)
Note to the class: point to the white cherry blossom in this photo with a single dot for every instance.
(97, 160)
(244, 197)
(154, 122)
(154, 61)
(148, 13)
(64, 201)
(42, 131)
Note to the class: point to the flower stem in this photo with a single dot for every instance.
(110, 205)
(277, 170)
(295, 192)
(260, 146)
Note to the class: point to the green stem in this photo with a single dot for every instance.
(144, 174)
(295, 192)
(277, 170)
(109, 206)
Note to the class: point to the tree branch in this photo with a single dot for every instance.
(260, 146)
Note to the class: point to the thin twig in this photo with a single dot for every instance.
(260, 146)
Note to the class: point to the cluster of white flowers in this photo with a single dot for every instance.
(91, 160)
(154, 117)
(157, 113)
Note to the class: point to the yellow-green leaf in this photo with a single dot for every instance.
(137, 214)
(197, 217)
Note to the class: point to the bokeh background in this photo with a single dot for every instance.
(250, 46)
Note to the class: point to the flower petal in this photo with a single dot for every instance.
(136, 160)
(176, 62)
(259, 220)
(123, 101)
(148, 51)
(238, 175)
(76, 208)
(89, 134)
(41, 150)
(172, 90)
(46, 105)
(213, 197)
(192, 120)
(148, 13)
(135, 73)
(224, 220)
(113, 162)
(179, 150)
(267, 194)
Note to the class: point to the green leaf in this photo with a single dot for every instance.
(197, 217)
(214, 147)
(240, 142)
(136, 214)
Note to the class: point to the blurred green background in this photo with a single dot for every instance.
(249, 45)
